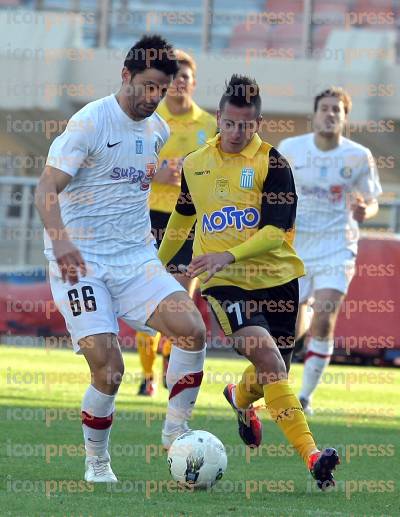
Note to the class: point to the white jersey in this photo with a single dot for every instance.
(112, 160)
(327, 182)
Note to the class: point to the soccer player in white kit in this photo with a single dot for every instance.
(93, 201)
(337, 185)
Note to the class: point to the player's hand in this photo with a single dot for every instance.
(168, 176)
(69, 260)
(210, 262)
(359, 208)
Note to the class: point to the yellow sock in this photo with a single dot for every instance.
(166, 349)
(287, 412)
(147, 348)
(248, 390)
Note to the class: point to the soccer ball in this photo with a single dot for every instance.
(197, 458)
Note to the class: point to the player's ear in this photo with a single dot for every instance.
(218, 118)
(259, 120)
(126, 75)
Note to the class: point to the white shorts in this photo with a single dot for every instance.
(335, 272)
(106, 293)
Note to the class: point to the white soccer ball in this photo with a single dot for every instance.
(197, 458)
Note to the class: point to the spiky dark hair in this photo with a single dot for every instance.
(241, 91)
(152, 51)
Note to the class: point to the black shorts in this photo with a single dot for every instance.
(159, 221)
(274, 309)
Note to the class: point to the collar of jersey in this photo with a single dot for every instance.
(193, 114)
(248, 152)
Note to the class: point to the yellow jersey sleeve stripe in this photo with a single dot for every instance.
(221, 316)
(175, 235)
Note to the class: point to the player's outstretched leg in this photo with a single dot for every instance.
(186, 330)
(317, 358)
(147, 347)
(241, 401)
(282, 404)
(241, 397)
(104, 357)
(320, 347)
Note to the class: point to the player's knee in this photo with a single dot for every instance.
(196, 331)
(118, 372)
(323, 326)
(200, 334)
(270, 366)
(109, 376)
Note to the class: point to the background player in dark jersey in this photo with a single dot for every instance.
(242, 193)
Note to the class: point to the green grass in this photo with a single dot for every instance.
(41, 452)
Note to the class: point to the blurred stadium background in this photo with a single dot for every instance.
(55, 56)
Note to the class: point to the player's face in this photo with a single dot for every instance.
(144, 91)
(237, 126)
(330, 117)
(183, 83)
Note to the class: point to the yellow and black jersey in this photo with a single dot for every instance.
(235, 195)
(188, 132)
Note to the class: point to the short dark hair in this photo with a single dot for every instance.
(241, 91)
(335, 91)
(152, 52)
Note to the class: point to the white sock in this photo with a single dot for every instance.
(184, 376)
(318, 355)
(97, 416)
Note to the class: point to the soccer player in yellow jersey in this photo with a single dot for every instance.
(242, 193)
(190, 128)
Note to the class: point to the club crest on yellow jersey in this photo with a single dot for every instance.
(222, 189)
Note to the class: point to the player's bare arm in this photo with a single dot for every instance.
(69, 259)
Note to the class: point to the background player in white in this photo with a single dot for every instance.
(93, 201)
(337, 184)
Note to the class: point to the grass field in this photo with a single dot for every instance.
(42, 454)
